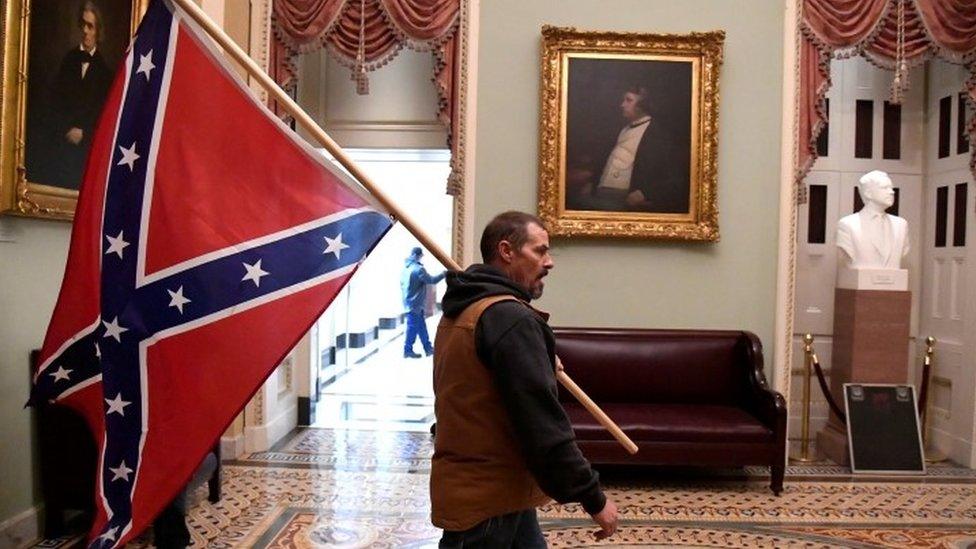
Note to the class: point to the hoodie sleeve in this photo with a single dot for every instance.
(424, 277)
(514, 347)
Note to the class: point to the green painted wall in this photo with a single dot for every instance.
(730, 284)
(32, 256)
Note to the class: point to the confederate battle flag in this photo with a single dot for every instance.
(208, 239)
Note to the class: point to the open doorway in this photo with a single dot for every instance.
(363, 380)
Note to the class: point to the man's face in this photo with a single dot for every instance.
(882, 192)
(532, 262)
(629, 107)
(89, 30)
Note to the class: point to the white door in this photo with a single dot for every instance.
(947, 304)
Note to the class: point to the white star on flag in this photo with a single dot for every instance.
(146, 65)
(98, 351)
(335, 245)
(112, 329)
(129, 156)
(254, 273)
(177, 300)
(117, 405)
(116, 244)
(60, 373)
(109, 535)
(120, 472)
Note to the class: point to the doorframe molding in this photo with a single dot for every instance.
(786, 247)
(463, 225)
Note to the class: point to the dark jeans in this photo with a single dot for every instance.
(518, 530)
(416, 326)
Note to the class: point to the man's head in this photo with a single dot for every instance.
(635, 103)
(875, 188)
(416, 253)
(90, 21)
(518, 244)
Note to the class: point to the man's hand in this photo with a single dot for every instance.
(607, 519)
(635, 198)
(74, 136)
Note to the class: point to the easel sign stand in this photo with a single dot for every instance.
(883, 431)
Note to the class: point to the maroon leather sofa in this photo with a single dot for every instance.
(685, 397)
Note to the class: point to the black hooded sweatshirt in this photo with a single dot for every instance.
(519, 348)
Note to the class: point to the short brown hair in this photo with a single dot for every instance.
(511, 226)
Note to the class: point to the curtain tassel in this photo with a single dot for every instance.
(359, 71)
(900, 82)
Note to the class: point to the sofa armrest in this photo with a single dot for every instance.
(767, 405)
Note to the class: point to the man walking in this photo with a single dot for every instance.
(504, 444)
(413, 285)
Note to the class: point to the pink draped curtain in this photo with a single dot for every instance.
(843, 28)
(378, 29)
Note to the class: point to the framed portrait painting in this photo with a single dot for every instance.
(628, 134)
(60, 57)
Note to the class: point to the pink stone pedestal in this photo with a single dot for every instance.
(871, 329)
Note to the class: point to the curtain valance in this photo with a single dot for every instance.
(892, 34)
(365, 35)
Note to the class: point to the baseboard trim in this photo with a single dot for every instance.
(261, 438)
(956, 448)
(21, 530)
(286, 421)
(306, 411)
(358, 340)
(387, 323)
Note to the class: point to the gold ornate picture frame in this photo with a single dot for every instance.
(629, 134)
(52, 92)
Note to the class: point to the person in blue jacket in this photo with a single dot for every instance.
(413, 284)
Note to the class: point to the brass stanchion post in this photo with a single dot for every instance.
(808, 358)
(931, 454)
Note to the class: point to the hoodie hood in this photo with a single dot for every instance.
(478, 282)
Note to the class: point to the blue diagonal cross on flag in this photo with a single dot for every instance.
(208, 239)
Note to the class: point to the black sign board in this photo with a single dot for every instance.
(882, 429)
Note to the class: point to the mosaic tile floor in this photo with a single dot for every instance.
(323, 488)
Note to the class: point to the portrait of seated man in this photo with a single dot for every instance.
(69, 85)
(647, 168)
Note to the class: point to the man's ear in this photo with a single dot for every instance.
(505, 251)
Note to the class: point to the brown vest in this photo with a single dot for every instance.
(478, 471)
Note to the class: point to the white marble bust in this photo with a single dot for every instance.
(872, 238)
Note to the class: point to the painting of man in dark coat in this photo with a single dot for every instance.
(64, 105)
(628, 136)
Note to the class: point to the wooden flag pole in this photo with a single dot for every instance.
(306, 122)
(594, 409)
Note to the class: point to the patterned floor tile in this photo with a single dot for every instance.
(351, 489)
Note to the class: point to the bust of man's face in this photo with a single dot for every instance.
(879, 191)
